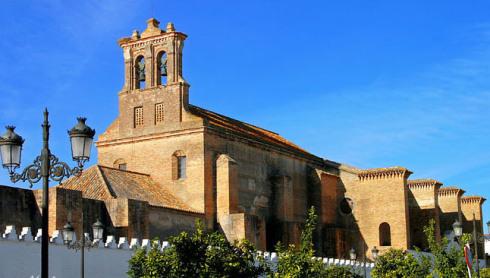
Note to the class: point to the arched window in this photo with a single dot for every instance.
(140, 74)
(120, 164)
(162, 68)
(384, 234)
(179, 165)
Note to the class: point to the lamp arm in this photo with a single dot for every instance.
(57, 172)
(60, 170)
(31, 173)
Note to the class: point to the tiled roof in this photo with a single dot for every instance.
(247, 130)
(104, 183)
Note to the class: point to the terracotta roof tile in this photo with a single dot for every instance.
(104, 183)
(247, 130)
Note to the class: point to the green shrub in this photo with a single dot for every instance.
(299, 262)
(396, 263)
(199, 254)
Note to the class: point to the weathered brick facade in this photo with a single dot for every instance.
(163, 163)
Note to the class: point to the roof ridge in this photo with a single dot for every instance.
(224, 116)
(126, 171)
(104, 179)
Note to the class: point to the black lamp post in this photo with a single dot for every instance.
(69, 234)
(46, 167)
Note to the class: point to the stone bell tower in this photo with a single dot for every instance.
(154, 97)
(153, 58)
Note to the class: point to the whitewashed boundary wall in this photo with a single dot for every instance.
(20, 256)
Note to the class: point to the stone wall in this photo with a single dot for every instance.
(168, 222)
(450, 207)
(423, 204)
(272, 186)
(19, 207)
(161, 149)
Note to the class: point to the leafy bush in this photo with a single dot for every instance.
(485, 273)
(299, 262)
(396, 263)
(199, 254)
(448, 261)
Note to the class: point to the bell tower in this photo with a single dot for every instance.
(153, 58)
(154, 97)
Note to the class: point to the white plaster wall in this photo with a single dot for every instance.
(23, 259)
(20, 256)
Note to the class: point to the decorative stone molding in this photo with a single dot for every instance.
(472, 200)
(450, 191)
(26, 234)
(57, 237)
(39, 235)
(423, 184)
(10, 233)
(111, 242)
(384, 173)
(123, 243)
(135, 243)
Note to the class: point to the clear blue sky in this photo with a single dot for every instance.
(368, 83)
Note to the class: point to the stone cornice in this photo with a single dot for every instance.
(131, 43)
(384, 173)
(423, 184)
(472, 200)
(134, 139)
(450, 191)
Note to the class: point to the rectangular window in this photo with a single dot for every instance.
(122, 166)
(138, 116)
(158, 113)
(181, 167)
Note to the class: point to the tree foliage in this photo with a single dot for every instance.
(300, 262)
(448, 260)
(199, 254)
(396, 263)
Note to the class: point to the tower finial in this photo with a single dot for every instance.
(170, 27)
(152, 29)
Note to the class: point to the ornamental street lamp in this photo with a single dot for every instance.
(46, 167)
(375, 252)
(68, 233)
(68, 236)
(457, 229)
(476, 238)
(352, 254)
(98, 229)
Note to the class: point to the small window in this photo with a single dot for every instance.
(346, 206)
(122, 166)
(181, 167)
(384, 234)
(138, 116)
(158, 113)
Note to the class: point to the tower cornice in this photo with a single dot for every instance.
(381, 173)
(420, 184)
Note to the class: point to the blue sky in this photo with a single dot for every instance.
(368, 84)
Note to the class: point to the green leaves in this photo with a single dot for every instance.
(447, 261)
(396, 263)
(199, 254)
(299, 262)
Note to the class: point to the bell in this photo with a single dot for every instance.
(163, 66)
(141, 71)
